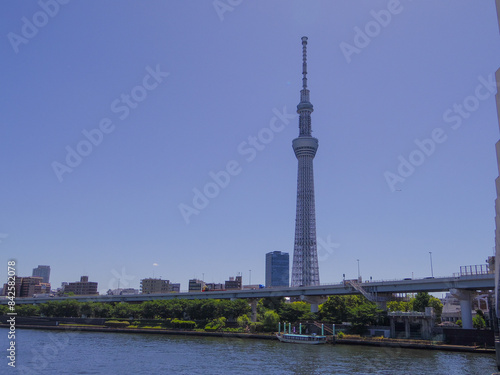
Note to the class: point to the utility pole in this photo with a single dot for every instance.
(432, 271)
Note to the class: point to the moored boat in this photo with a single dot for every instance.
(301, 339)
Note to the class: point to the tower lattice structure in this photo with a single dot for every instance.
(305, 269)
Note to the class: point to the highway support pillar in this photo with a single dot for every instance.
(407, 327)
(465, 298)
(253, 305)
(315, 301)
(426, 328)
(393, 327)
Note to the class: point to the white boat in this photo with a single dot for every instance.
(301, 339)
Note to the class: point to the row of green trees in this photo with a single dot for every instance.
(214, 312)
(171, 309)
(337, 309)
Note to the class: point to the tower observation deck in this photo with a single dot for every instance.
(305, 270)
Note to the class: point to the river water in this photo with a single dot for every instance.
(73, 353)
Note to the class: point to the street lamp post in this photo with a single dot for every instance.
(359, 275)
(432, 271)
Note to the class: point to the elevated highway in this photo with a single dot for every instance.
(376, 288)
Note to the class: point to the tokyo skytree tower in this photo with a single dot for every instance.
(305, 270)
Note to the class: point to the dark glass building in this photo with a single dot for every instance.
(277, 269)
(43, 272)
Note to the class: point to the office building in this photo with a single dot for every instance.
(277, 269)
(28, 287)
(83, 287)
(233, 283)
(151, 285)
(196, 285)
(43, 272)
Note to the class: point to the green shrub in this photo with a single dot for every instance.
(340, 335)
(186, 324)
(270, 321)
(478, 322)
(256, 327)
(234, 330)
(216, 324)
(243, 320)
(116, 324)
(151, 322)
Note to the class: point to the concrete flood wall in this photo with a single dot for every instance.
(477, 337)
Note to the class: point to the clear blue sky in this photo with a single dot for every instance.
(229, 72)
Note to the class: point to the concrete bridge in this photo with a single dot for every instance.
(462, 287)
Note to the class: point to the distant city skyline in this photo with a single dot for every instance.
(112, 133)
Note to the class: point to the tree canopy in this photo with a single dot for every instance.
(421, 301)
(160, 309)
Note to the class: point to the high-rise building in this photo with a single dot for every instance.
(305, 270)
(43, 272)
(277, 269)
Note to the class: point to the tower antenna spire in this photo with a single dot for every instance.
(304, 62)
(305, 108)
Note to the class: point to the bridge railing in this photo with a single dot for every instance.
(479, 269)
